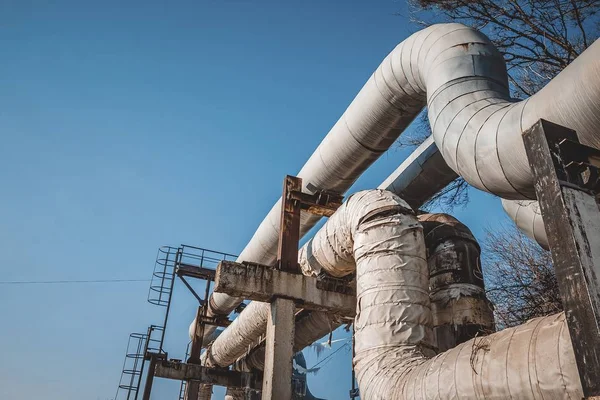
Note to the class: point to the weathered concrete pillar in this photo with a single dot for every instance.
(277, 379)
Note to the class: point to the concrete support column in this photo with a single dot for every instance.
(277, 379)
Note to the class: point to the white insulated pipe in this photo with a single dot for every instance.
(242, 334)
(461, 77)
(528, 218)
(376, 235)
(459, 306)
(393, 326)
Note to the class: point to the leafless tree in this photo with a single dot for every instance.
(538, 38)
(455, 194)
(520, 277)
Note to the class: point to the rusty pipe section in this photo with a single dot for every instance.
(459, 305)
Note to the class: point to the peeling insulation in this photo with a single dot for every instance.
(532, 361)
(459, 304)
(462, 79)
(393, 327)
(242, 334)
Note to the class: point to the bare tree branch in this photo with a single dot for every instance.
(520, 277)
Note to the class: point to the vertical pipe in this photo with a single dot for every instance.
(459, 305)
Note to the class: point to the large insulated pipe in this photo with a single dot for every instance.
(299, 377)
(460, 308)
(242, 333)
(461, 77)
(251, 323)
(393, 326)
(310, 327)
(419, 177)
(423, 174)
(459, 305)
(528, 218)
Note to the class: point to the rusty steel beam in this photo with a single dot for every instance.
(193, 387)
(284, 286)
(195, 272)
(289, 230)
(323, 203)
(154, 358)
(566, 183)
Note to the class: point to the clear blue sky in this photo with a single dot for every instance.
(129, 125)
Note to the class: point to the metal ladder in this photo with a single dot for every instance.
(183, 385)
(133, 365)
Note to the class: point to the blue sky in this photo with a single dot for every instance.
(129, 126)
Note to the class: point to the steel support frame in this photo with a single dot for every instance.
(171, 369)
(263, 283)
(159, 362)
(567, 184)
(279, 349)
(279, 341)
(153, 358)
(192, 389)
(277, 377)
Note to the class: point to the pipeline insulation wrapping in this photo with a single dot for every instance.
(532, 361)
(459, 306)
(395, 357)
(393, 328)
(461, 77)
(242, 334)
